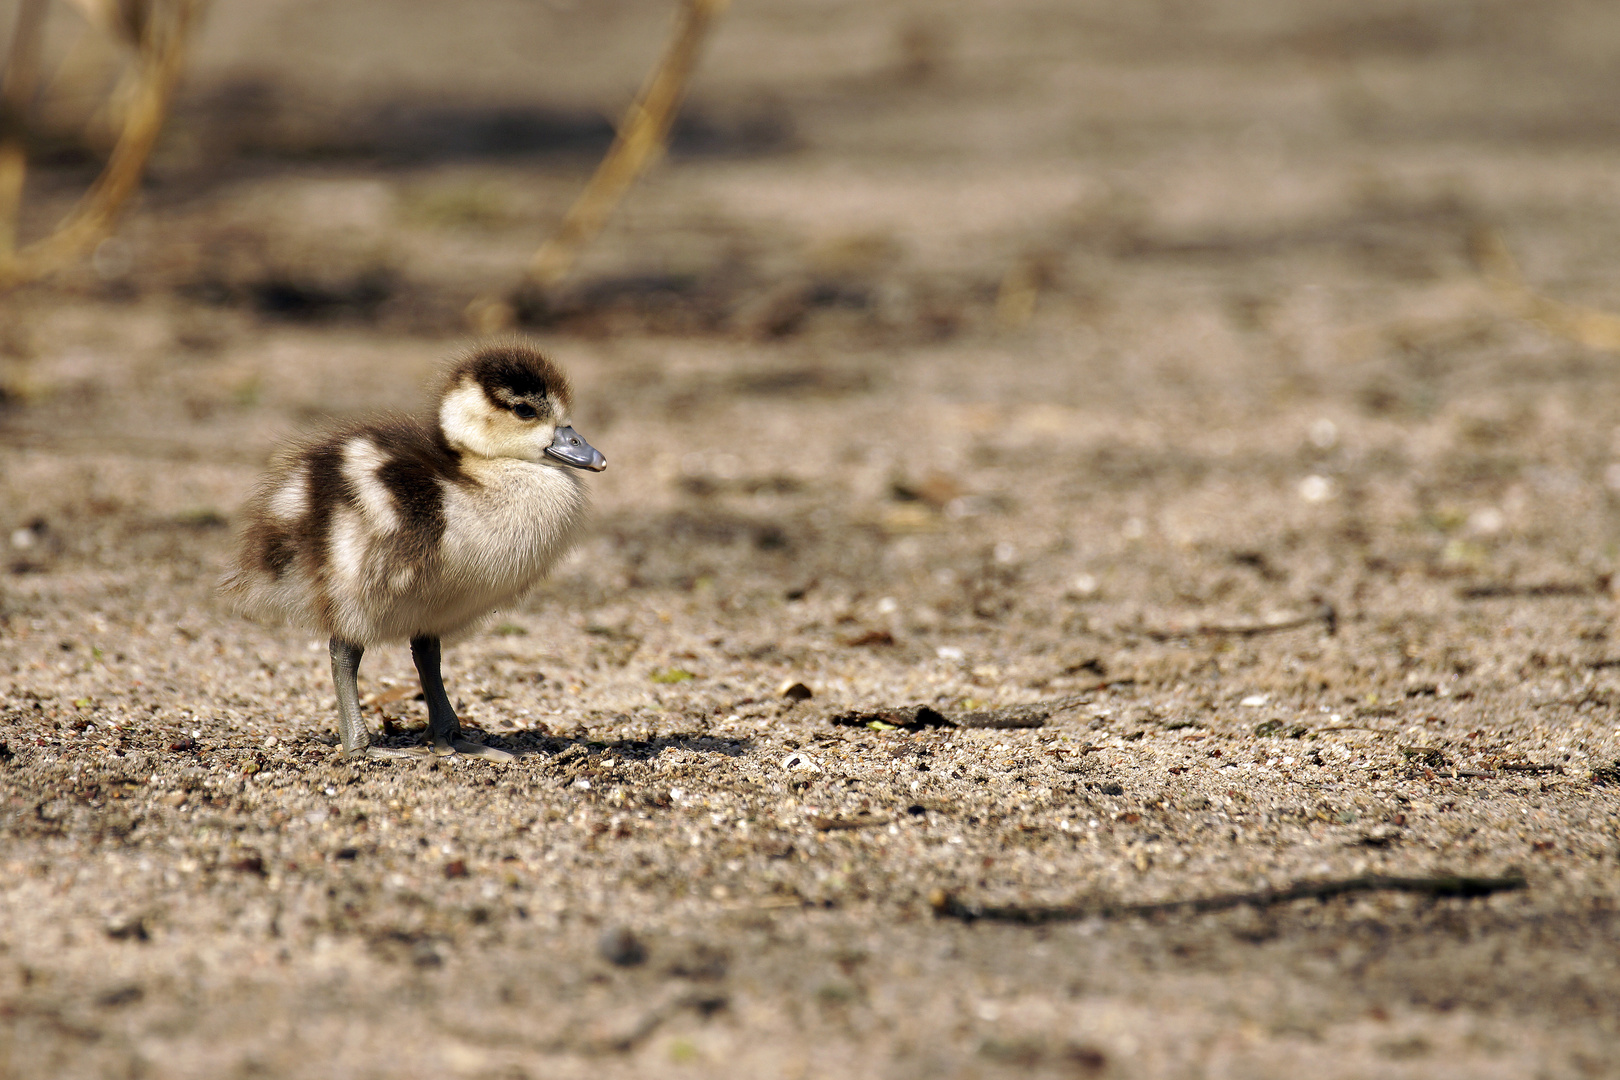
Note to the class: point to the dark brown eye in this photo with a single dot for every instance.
(524, 411)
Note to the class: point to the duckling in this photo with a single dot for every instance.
(414, 529)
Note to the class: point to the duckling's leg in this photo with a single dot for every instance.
(444, 730)
(351, 728)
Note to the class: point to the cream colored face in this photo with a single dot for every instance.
(500, 423)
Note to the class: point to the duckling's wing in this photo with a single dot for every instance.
(415, 472)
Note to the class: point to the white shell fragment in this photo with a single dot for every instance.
(797, 762)
(794, 690)
(1317, 489)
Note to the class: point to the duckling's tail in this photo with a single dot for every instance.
(256, 595)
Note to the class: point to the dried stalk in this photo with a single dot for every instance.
(16, 87)
(1588, 326)
(1325, 614)
(641, 138)
(947, 905)
(163, 33)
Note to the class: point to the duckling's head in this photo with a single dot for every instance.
(511, 401)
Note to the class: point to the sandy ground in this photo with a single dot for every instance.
(1125, 363)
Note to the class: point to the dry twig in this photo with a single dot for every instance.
(946, 905)
(641, 138)
(1325, 614)
(642, 135)
(160, 30)
(1588, 326)
(1493, 774)
(839, 824)
(915, 718)
(1542, 590)
(16, 87)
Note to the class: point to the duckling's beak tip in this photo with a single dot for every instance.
(573, 451)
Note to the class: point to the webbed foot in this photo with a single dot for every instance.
(444, 731)
(458, 748)
(387, 753)
(465, 748)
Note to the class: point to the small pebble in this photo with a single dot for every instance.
(1317, 489)
(620, 946)
(795, 691)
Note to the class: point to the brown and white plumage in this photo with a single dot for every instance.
(404, 529)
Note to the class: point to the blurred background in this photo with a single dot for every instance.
(1146, 288)
(1103, 276)
(892, 168)
(1160, 364)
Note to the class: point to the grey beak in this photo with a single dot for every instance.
(573, 451)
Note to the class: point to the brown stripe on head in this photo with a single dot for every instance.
(510, 373)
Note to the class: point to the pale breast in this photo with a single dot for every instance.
(506, 530)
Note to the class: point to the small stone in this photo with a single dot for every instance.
(455, 868)
(1317, 489)
(250, 863)
(127, 994)
(1088, 1060)
(620, 946)
(795, 691)
(776, 847)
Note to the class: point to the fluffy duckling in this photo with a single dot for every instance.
(399, 529)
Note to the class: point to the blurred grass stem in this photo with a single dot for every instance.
(1587, 326)
(16, 88)
(160, 36)
(641, 139)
